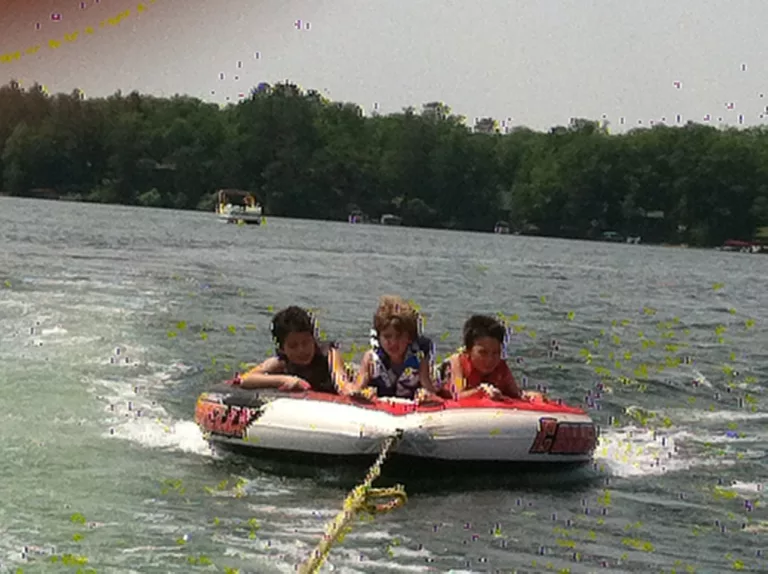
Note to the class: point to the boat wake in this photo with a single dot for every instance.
(697, 438)
(134, 415)
(633, 451)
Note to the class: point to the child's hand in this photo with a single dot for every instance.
(491, 391)
(367, 394)
(533, 395)
(294, 384)
(236, 381)
(423, 396)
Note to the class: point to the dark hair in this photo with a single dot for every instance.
(292, 319)
(479, 326)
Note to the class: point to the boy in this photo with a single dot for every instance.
(479, 366)
(301, 363)
(398, 364)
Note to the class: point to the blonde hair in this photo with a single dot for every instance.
(394, 311)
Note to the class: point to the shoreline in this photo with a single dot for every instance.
(374, 223)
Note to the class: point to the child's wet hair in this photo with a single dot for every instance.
(292, 319)
(395, 312)
(479, 326)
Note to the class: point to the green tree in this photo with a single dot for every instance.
(306, 156)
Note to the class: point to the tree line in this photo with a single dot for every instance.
(307, 157)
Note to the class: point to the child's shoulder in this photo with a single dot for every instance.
(503, 371)
(451, 358)
(426, 345)
(326, 346)
(447, 364)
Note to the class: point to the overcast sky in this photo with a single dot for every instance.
(538, 62)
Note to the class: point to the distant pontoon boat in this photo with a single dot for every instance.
(235, 206)
(389, 219)
(501, 227)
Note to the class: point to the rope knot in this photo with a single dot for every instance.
(362, 498)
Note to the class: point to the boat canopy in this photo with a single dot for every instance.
(226, 195)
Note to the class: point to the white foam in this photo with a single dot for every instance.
(701, 379)
(388, 565)
(751, 388)
(12, 547)
(293, 512)
(344, 559)
(138, 418)
(723, 437)
(257, 488)
(143, 549)
(15, 304)
(693, 416)
(749, 487)
(282, 554)
(57, 330)
(184, 436)
(633, 451)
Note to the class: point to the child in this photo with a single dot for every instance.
(301, 363)
(398, 364)
(479, 366)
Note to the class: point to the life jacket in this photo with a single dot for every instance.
(474, 378)
(318, 372)
(402, 381)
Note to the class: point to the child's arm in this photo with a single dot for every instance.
(508, 385)
(339, 372)
(455, 374)
(425, 377)
(363, 378)
(267, 375)
(472, 393)
(456, 380)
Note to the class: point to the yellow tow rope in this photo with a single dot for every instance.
(361, 498)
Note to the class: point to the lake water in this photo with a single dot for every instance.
(101, 360)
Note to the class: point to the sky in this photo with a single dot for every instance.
(534, 63)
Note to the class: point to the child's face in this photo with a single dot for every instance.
(485, 354)
(299, 348)
(394, 342)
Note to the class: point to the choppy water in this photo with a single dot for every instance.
(101, 359)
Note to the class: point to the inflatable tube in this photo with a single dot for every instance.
(475, 429)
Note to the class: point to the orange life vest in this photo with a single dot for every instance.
(499, 377)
